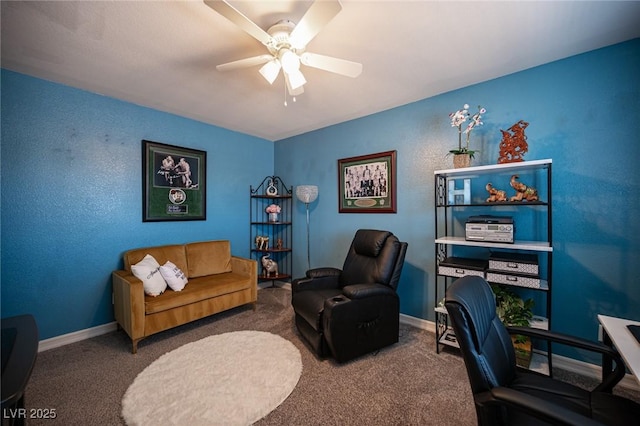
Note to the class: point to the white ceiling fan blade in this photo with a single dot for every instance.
(244, 63)
(294, 91)
(318, 15)
(270, 70)
(235, 16)
(328, 63)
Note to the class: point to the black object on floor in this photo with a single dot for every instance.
(635, 330)
(19, 352)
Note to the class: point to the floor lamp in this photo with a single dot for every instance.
(307, 194)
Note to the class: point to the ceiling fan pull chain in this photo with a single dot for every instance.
(285, 94)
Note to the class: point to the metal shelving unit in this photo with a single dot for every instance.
(450, 211)
(279, 232)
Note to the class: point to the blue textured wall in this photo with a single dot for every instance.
(583, 113)
(71, 196)
(71, 192)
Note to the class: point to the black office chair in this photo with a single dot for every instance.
(19, 353)
(355, 310)
(507, 395)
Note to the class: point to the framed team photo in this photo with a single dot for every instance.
(367, 184)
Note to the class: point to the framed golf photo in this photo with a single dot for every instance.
(173, 183)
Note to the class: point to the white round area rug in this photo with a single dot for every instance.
(228, 379)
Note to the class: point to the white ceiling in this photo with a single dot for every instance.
(163, 54)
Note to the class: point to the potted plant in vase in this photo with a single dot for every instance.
(463, 155)
(513, 311)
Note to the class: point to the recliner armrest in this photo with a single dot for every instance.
(534, 406)
(319, 283)
(361, 291)
(610, 381)
(323, 272)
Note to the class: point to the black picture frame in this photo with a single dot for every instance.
(367, 184)
(174, 184)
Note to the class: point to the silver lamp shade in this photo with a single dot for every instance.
(307, 193)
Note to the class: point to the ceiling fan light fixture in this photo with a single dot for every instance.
(284, 41)
(289, 60)
(270, 70)
(296, 80)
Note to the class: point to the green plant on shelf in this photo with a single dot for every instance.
(511, 309)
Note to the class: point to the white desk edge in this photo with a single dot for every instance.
(624, 341)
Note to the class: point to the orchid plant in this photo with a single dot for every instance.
(458, 118)
(273, 208)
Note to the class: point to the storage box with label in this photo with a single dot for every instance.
(516, 263)
(461, 266)
(520, 280)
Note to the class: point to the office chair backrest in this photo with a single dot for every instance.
(484, 341)
(374, 257)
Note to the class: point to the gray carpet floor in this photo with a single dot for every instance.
(405, 384)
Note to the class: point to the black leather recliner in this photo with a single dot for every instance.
(507, 395)
(355, 310)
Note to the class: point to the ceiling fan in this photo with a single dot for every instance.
(286, 43)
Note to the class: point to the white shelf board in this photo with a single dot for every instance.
(493, 167)
(544, 285)
(518, 245)
(539, 363)
(537, 321)
(441, 309)
(445, 339)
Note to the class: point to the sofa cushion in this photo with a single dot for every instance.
(174, 253)
(198, 289)
(175, 278)
(208, 258)
(148, 271)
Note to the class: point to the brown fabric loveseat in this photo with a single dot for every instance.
(217, 282)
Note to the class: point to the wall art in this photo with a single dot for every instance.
(173, 183)
(367, 184)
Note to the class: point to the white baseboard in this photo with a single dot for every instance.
(418, 323)
(76, 336)
(592, 370)
(569, 364)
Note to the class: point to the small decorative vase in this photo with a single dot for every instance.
(461, 160)
(273, 217)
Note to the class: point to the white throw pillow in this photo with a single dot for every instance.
(174, 276)
(148, 271)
